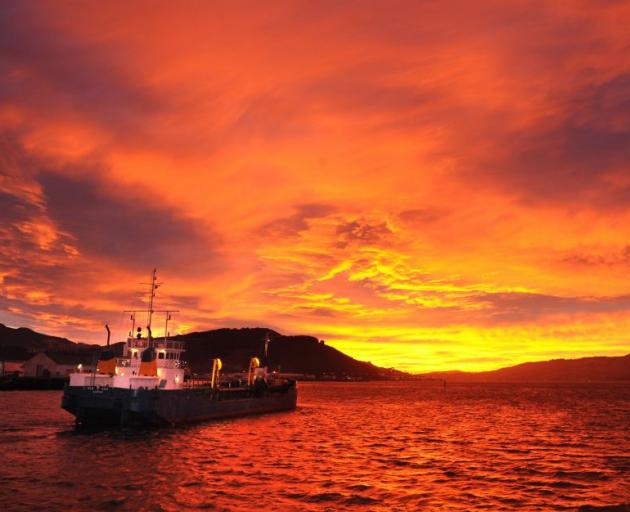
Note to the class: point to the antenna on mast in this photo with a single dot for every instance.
(154, 287)
(168, 318)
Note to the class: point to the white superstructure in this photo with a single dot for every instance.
(161, 366)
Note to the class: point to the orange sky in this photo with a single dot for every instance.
(425, 185)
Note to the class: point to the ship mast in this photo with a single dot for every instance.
(154, 285)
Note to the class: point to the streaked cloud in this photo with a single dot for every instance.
(424, 185)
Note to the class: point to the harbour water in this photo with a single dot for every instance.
(377, 446)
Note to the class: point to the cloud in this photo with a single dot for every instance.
(79, 209)
(511, 307)
(421, 216)
(68, 238)
(611, 259)
(132, 227)
(49, 70)
(299, 221)
(572, 157)
(361, 232)
(395, 179)
(364, 90)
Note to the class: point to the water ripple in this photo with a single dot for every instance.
(375, 446)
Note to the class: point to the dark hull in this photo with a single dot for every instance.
(155, 407)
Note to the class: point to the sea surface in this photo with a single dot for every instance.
(380, 446)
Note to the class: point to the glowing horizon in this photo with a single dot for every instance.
(426, 187)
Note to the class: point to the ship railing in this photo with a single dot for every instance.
(197, 382)
(142, 343)
(234, 382)
(176, 345)
(138, 343)
(169, 363)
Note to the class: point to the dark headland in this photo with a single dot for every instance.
(307, 355)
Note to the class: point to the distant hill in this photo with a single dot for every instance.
(33, 341)
(295, 354)
(235, 347)
(586, 369)
(308, 355)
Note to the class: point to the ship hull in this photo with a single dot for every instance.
(93, 406)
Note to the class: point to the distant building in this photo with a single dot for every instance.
(55, 364)
(12, 360)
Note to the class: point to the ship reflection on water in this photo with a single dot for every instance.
(369, 446)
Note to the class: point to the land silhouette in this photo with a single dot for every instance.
(309, 356)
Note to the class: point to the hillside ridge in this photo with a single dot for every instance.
(234, 346)
(308, 355)
(584, 369)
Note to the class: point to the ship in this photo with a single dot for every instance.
(149, 385)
